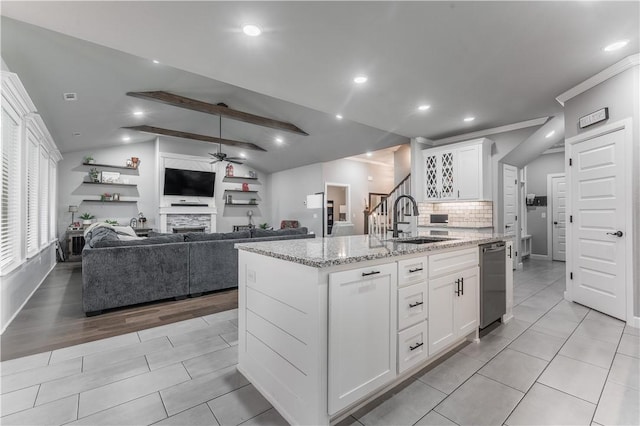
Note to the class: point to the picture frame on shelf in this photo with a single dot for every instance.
(110, 177)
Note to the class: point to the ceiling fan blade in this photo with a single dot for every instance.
(214, 162)
(235, 158)
(234, 161)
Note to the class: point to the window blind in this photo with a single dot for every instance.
(10, 195)
(32, 194)
(43, 189)
(53, 194)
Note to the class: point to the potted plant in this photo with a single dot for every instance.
(112, 222)
(86, 218)
(106, 196)
(94, 175)
(89, 159)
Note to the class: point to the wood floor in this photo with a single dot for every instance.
(53, 317)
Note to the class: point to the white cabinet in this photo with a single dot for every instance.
(412, 312)
(452, 297)
(460, 171)
(362, 327)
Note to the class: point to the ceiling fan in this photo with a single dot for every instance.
(221, 156)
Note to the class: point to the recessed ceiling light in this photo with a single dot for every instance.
(617, 45)
(126, 138)
(467, 119)
(360, 79)
(251, 30)
(369, 154)
(338, 116)
(243, 155)
(279, 140)
(551, 133)
(424, 107)
(138, 113)
(155, 61)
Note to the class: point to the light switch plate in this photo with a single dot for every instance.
(544, 215)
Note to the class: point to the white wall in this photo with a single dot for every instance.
(536, 179)
(620, 94)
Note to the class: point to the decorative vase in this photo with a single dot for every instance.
(135, 161)
(86, 222)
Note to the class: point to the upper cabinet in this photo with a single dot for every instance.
(459, 171)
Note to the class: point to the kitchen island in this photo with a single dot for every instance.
(325, 325)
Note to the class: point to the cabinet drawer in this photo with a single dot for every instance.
(412, 271)
(412, 305)
(453, 261)
(412, 346)
(363, 274)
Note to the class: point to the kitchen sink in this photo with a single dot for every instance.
(424, 240)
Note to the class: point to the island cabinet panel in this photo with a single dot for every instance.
(362, 333)
(281, 349)
(412, 346)
(412, 305)
(411, 271)
(466, 302)
(442, 330)
(453, 261)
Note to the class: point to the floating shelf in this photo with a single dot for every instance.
(110, 183)
(238, 178)
(131, 170)
(241, 204)
(109, 202)
(240, 191)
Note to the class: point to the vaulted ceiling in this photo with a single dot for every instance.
(501, 62)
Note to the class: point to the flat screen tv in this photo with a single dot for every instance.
(188, 183)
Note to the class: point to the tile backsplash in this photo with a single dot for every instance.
(471, 214)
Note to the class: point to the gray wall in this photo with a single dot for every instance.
(620, 95)
(288, 192)
(71, 191)
(356, 174)
(401, 163)
(536, 178)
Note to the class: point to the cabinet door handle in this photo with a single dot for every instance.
(413, 348)
(366, 274)
(411, 271)
(510, 252)
(462, 288)
(457, 292)
(458, 193)
(413, 305)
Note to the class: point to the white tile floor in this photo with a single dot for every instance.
(555, 363)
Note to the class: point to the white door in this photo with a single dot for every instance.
(598, 229)
(431, 173)
(466, 302)
(447, 175)
(510, 198)
(559, 217)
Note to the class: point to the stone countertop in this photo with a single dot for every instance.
(327, 252)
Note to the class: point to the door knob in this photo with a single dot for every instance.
(617, 233)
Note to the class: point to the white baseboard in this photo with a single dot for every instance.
(539, 256)
(634, 322)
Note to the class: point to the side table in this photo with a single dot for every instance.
(75, 244)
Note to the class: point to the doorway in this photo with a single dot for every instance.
(510, 205)
(556, 216)
(338, 206)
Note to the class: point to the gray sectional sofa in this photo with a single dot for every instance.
(119, 273)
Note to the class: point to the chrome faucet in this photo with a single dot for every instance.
(395, 212)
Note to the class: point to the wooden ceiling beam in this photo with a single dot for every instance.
(194, 136)
(223, 111)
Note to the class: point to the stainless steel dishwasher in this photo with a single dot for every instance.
(492, 282)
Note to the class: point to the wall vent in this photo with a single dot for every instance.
(70, 96)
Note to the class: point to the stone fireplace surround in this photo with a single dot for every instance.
(187, 216)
